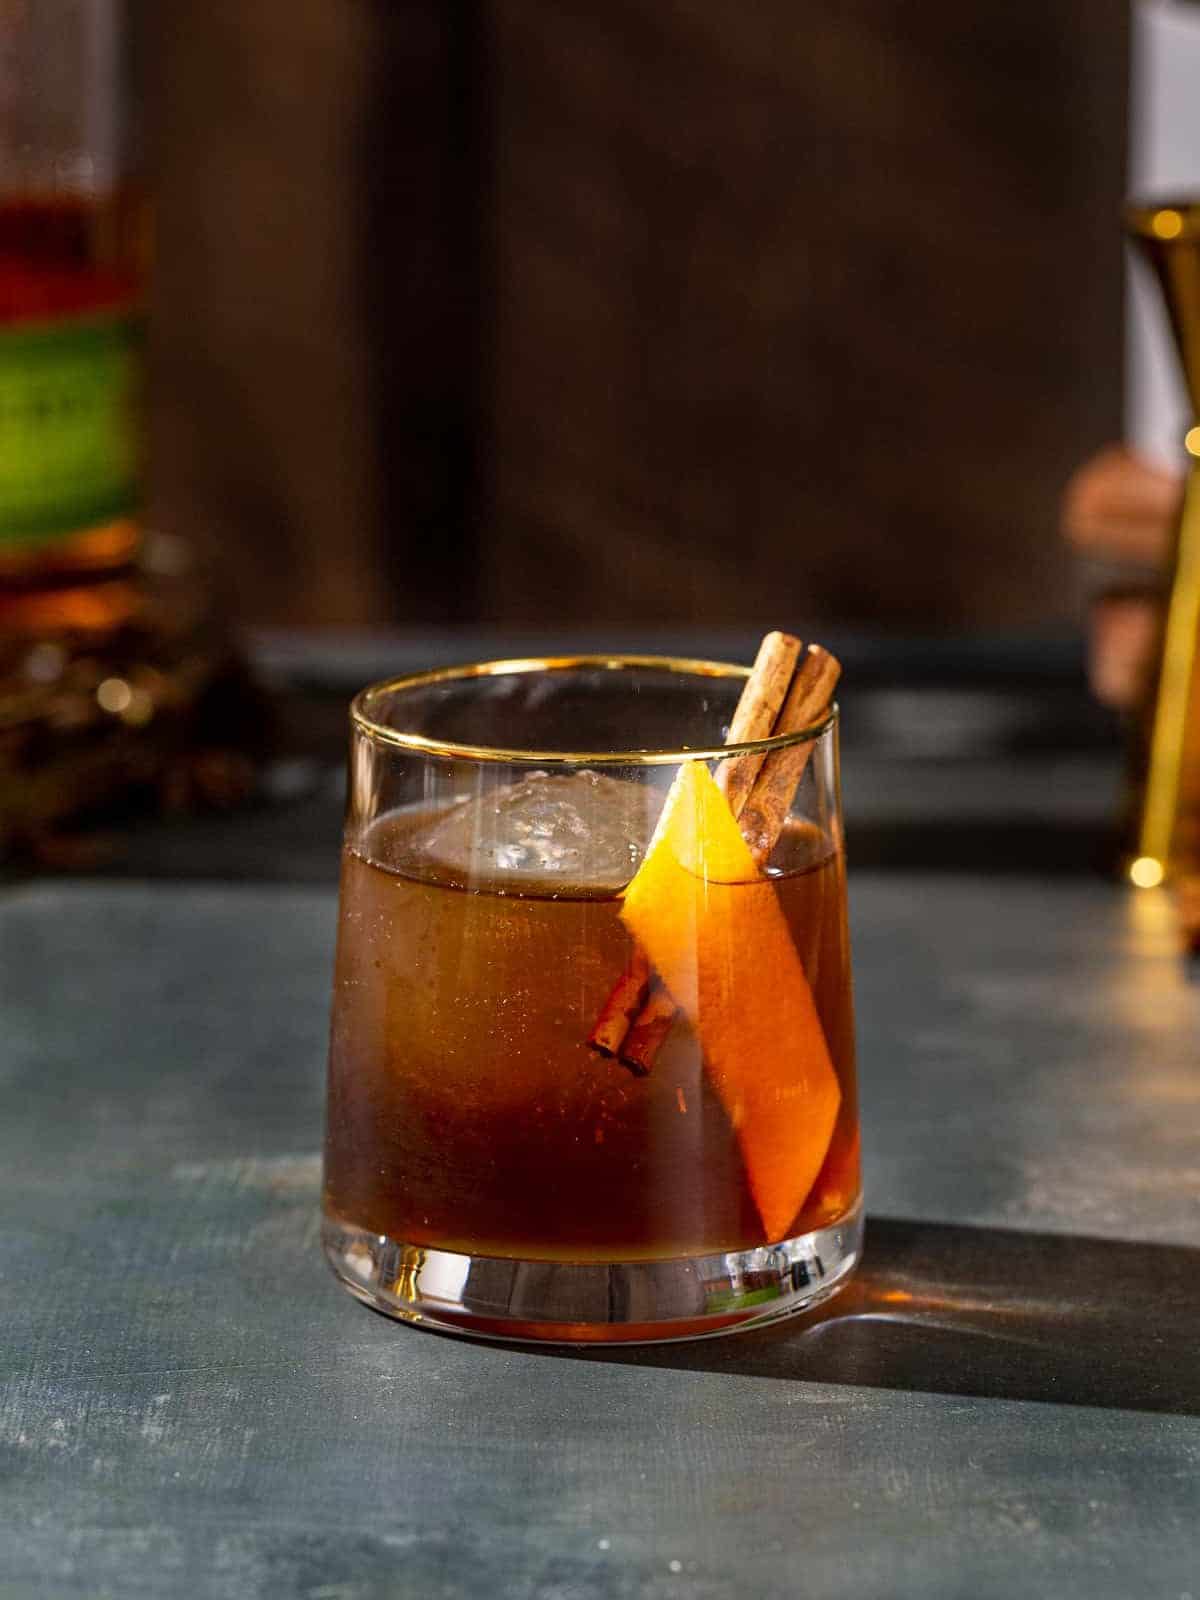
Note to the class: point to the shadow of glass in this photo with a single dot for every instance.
(945, 1309)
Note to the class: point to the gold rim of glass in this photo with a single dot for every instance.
(424, 744)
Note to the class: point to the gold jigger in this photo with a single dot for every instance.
(1168, 825)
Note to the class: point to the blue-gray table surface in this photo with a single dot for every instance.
(190, 1403)
(1006, 1404)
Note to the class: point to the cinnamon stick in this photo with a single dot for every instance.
(754, 716)
(770, 801)
(623, 1005)
(648, 1030)
(762, 820)
(761, 701)
(777, 698)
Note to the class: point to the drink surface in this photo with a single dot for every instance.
(466, 1111)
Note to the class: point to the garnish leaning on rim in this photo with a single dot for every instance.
(779, 698)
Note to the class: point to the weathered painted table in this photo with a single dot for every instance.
(1006, 1404)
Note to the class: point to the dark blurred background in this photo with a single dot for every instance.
(611, 312)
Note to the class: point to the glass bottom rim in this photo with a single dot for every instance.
(572, 1303)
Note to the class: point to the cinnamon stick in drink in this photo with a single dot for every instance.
(761, 790)
(632, 999)
(763, 815)
(648, 1030)
(766, 810)
(758, 708)
(623, 1005)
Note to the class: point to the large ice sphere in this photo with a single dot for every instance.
(580, 830)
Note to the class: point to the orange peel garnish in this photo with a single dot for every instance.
(715, 932)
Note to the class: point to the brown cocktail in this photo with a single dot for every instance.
(592, 1059)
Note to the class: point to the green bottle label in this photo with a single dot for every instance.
(69, 435)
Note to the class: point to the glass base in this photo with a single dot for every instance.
(633, 1302)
